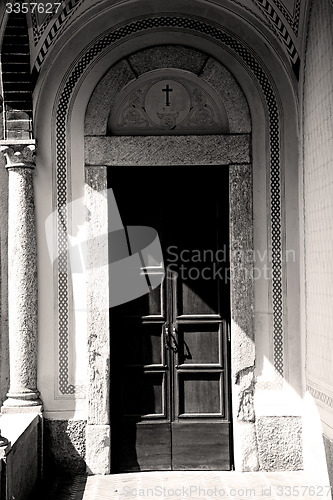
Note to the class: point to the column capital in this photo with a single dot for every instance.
(19, 154)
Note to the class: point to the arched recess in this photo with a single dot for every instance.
(72, 96)
(228, 145)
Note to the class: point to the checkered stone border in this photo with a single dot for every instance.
(320, 396)
(275, 23)
(189, 25)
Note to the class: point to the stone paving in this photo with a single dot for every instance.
(203, 485)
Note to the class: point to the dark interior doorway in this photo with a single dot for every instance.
(170, 362)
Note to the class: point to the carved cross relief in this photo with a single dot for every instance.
(168, 102)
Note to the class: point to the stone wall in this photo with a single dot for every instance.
(279, 443)
(318, 211)
(64, 447)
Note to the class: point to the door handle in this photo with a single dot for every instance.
(170, 340)
(174, 338)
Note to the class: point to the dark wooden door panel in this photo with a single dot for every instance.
(169, 390)
(198, 446)
(200, 373)
(200, 394)
(144, 393)
(199, 343)
(144, 447)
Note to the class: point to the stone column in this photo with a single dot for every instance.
(22, 278)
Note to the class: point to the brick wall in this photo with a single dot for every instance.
(318, 206)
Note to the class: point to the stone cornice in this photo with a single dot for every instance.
(19, 154)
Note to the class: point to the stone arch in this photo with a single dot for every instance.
(102, 151)
(195, 62)
(261, 91)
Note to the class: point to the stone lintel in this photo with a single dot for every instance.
(168, 150)
(19, 154)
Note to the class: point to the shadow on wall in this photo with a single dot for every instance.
(64, 448)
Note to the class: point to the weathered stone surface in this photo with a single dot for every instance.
(168, 56)
(98, 449)
(279, 443)
(242, 312)
(242, 293)
(231, 94)
(97, 295)
(241, 265)
(168, 150)
(246, 382)
(64, 447)
(101, 101)
(246, 449)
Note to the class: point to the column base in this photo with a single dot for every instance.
(22, 403)
(22, 409)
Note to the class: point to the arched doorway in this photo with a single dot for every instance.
(76, 80)
(170, 349)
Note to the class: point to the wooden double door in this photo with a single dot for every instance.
(170, 387)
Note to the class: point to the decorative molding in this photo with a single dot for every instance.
(276, 24)
(38, 29)
(320, 396)
(54, 30)
(293, 20)
(281, 30)
(66, 93)
(186, 105)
